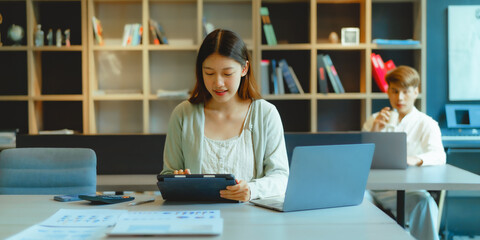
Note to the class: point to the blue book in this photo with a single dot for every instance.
(333, 75)
(321, 74)
(274, 76)
(395, 41)
(287, 76)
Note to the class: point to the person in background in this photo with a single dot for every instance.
(424, 147)
(225, 126)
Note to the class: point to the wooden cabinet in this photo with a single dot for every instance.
(112, 88)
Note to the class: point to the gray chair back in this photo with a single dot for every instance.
(48, 171)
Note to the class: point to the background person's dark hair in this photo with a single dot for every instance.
(228, 44)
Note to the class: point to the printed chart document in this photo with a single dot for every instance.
(37, 232)
(205, 222)
(83, 218)
(79, 224)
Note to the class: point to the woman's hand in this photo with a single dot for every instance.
(381, 120)
(239, 192)
(181, 172)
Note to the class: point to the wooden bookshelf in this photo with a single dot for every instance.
(113, 88)
(44, 88)
(307, 25)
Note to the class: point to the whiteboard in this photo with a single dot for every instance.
(464, 52)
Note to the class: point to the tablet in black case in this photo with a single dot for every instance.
(194, 187)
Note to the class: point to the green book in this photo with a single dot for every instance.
(267, 27)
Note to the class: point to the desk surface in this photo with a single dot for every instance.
(445, 177)
(241, 220)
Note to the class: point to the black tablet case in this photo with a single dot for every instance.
(194, 187)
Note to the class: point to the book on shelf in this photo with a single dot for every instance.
(380, 41)
(158, 32)
(268, 27)
(297, 82)
(126, 39)
(280, 81)
(265, 76)
(380, 70)
(321, 75)
(273, 76)
(97, 30)
(332, 74)
(132, 34)
(153, 33)
(287, 76)
(208, 27)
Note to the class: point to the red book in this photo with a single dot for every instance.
(380, 69)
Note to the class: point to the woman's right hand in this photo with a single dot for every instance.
(182, 172)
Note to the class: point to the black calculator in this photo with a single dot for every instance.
(106, 199)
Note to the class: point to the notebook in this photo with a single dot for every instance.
(324, 177)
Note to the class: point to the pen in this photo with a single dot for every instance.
(141, 202)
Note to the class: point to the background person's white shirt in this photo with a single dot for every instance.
(424, 138)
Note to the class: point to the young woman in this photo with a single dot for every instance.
(225, 127)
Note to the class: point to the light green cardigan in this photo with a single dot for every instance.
(185, 139)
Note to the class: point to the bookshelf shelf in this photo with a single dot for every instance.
(341, 96)
(288, 97)
(59, 98)
(294, 46)
(111, 88)
(59, 49)
(13, 48)
(13, 98)
(107, 97)
(172, 48)
(331, 46)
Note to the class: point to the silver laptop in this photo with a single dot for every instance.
(324, 177)
(390, 149)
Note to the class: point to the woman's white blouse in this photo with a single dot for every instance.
(234, 156)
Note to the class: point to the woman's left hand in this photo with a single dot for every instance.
(239, 192)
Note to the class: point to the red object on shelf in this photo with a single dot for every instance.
(380, 70)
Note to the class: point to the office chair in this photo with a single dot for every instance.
(48, 171)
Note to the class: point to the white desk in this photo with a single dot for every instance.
(444, 177)
(241, 221)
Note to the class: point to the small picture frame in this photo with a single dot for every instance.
(350, 35)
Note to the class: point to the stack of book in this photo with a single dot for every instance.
(158, 34)
(132, 34)
(326, 69)
(279, 78)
